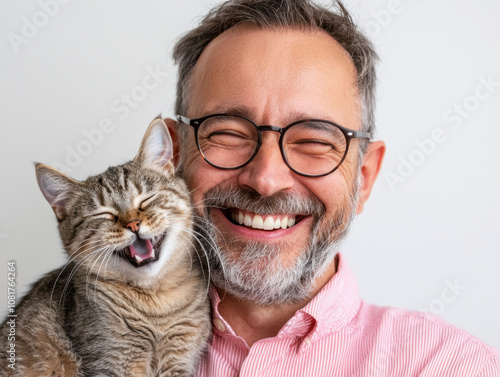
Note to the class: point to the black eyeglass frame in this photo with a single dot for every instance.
(348, 134)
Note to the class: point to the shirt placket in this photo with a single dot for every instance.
(266, 353)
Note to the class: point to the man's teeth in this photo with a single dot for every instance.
(267, 223)
(247, 220)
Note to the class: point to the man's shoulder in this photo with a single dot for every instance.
(434, 341)
(408, 326)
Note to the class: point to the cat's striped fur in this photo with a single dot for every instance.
(106, 313)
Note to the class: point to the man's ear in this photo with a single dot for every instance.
(372, 162)
(173, 129)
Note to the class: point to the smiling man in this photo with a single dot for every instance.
(275, 139)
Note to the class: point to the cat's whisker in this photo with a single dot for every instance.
(84, 244)
(92, 254)
(87, 248)
(71, 274)
(204, 206)
(106, 254)
(72, 258)
(193, 190)
(210, 243)
(188, 275)
(88, 273)
(207, 279)
(106, 258)
(90, 267)
(210, 240)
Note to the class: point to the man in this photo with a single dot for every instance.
(275, 105)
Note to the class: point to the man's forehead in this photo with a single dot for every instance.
(249, 35)
(289, 70)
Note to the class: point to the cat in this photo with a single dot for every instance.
(132, 300)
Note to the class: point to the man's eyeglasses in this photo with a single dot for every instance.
(310, 147)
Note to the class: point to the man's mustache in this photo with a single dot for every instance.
(251, 201)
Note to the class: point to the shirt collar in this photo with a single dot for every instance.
(335, 305)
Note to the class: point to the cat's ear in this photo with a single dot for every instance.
(56, 188)
(156, 148)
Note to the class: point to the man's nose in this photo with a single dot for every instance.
(267, 173)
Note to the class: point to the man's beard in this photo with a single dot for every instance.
(258, 273)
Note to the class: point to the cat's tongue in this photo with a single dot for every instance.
(141, 247)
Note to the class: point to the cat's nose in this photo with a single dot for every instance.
(133, 225)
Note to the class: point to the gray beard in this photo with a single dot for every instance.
(258, 274)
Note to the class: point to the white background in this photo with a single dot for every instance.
(436, 226)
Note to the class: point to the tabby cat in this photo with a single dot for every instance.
(132, 300)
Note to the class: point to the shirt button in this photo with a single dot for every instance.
(307, 341)
(219, 324)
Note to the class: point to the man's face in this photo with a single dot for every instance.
(273, 77)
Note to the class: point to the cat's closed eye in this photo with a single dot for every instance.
(146, 201)
(105, 215)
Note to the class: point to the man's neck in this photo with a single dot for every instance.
(254, 322)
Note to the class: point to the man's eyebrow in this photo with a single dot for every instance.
(246, 112)
(232, 110)
(299, 115)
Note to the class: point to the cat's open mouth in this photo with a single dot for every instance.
(143, 251)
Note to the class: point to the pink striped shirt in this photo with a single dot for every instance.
(338, 334)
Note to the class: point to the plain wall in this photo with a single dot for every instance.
(432, 221)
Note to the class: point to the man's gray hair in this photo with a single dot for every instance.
(272, 14)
